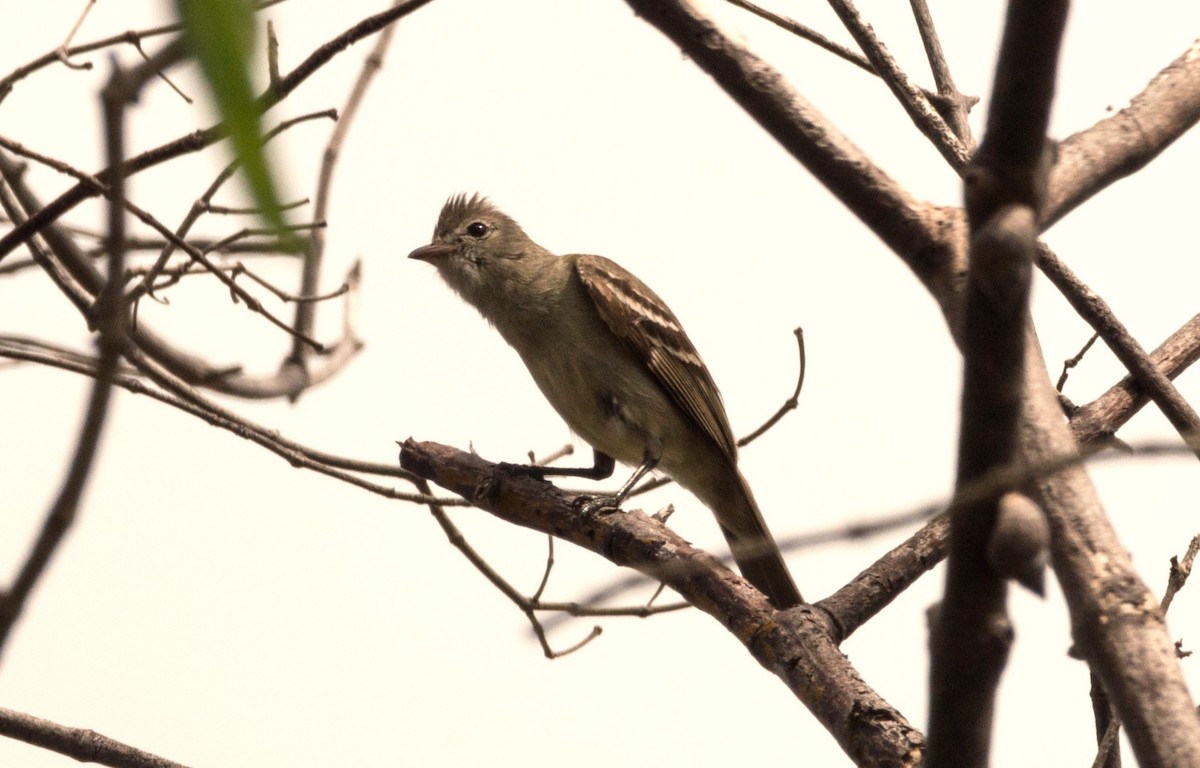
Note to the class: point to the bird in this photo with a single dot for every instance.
(615, 363)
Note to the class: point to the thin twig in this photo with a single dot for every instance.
(198, 208)
(953, 106)
(927, 119)
(63, 56)
(61, 278)
(314, 252)
(179, 395)
(1102, 417)
(807, 33)
(1096, 313)
(1178, 575)
(788, 405)
(1071, 362)
(225, 210)
(65, 168)
(1176, 579)
(197, 140)
(175, 240)
(236, 291)
(130, 37)
(526, 605)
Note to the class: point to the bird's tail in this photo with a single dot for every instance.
(754, 548)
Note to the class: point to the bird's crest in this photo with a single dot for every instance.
(459, 208)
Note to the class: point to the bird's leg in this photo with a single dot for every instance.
(602, 467)
(649, 462)
(591, 504)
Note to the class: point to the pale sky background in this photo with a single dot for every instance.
(217, 607)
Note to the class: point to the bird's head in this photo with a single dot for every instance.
(479, 250)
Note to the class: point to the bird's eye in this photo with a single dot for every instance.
(477, 229)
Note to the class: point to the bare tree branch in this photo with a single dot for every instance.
(1103, 416)
(82, 744)
(315, 251)
(795, 645)
(1004, 189)
(197, 140)
(1118, 146)
(910, 228)
(1115, 620)
(927, 119)
(110, 316)
(230, 380)
(952, 105)
(807, 33)
(178, 395)
(1095, 311)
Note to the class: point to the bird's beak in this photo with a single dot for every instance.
(433, 252)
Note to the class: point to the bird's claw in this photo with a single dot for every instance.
(597, 505)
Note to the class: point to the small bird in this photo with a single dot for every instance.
(614, 361)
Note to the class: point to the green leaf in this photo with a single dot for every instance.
(220, 34)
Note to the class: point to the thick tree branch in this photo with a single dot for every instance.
(796, 645)
(908, 226)
(1101, 418)
(82, 744)
(1116, 623)
(1122, 144)
(1152, 381)
(1004, 190)
(870, 591)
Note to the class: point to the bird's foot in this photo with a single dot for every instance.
(597, 504)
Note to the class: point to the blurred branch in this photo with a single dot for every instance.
(63, 54)
(59, 275)
(190, 368)
(883, 581)
(110, 317)
(197, 140)
(82, 744)
(178, 394)
(174, 239)
(203, 203)
(1004, 189)
(314, 251)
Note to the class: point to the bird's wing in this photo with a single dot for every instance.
(643, 321)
